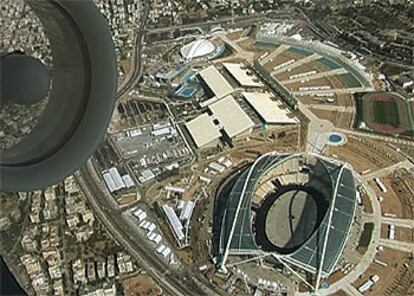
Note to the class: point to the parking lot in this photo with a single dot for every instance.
(134, 113)
(152, 147)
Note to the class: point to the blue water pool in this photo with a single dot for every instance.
(187, 92)
(335, 138)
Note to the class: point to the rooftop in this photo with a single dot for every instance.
(231, 116)
(241, 74)
(269, 110)
(203, 130)
(236, 235)
(216, 82)
(197, 48)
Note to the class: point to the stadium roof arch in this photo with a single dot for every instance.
(320, 253)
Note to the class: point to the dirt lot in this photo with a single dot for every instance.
(390, 276)
(402, 183)
(344, 100)
(278, 60)
(126, 65)
(366, 203)
(390, 203)
(348, 154)
(339, 119)
(248, 45)
(325, 114)
(234, 35)
(401, 233)
(127, 199)
(336, 276)
(300, 69)
(364, 154)
(141, 285)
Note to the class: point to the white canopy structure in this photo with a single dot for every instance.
(197, 48)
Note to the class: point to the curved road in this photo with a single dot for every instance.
(133, 78)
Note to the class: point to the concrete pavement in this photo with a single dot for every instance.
(333, 107)
(405, 223)
(351, 290)
(369, 255)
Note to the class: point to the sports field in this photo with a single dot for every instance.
(384, 112)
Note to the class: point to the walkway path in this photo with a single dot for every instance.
(369, 255)
(351, 290)
(316, 76)
(338, 91)
(297, 64)
(275, 53)
(329, 107)
(388, 170)
(406, 223)
(247, 55)
(398, 245)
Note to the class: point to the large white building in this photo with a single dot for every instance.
(197, 48)
(242, 75)
(226, 116)
(231, 116)
(269, 110)
(216, 82)
(203, 130)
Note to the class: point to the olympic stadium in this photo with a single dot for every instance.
(298, 208)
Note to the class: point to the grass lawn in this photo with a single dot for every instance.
(365, 238)
(386, 113)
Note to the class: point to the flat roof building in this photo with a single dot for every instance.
(216, 82)
(174, 222)
(203, 130)
(270, 111)
(231, 116)
(242, 75)
(226, 115)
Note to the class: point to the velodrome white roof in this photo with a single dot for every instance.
(241, 75)
(231, 116)
(269, 110)
(197, 48)
(203, 130)
(216, 82)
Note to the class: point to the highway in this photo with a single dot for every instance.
(136, 63)
(239, 20)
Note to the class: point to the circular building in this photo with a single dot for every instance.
(297, 207)
(196, 49)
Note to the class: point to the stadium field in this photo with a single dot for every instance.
(386, 113)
